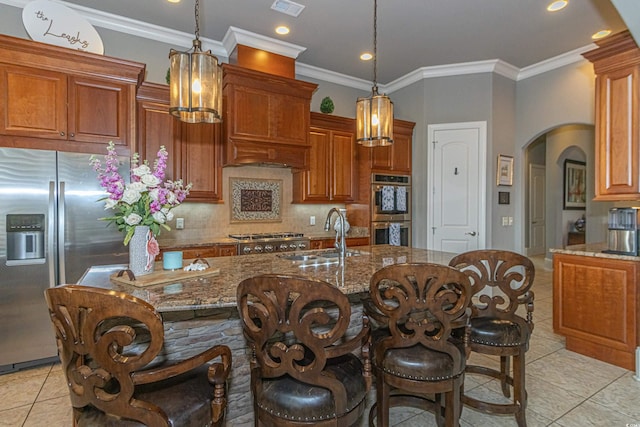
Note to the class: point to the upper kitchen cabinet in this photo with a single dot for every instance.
(394, 158)
(266, 118)
(331, 176)
(616, 63)
(63, 99)
(194, 148)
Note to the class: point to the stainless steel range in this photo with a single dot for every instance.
(270, 242)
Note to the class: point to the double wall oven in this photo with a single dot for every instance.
(391, 209)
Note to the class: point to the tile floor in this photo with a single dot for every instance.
(565, 389)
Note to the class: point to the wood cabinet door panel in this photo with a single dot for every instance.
(199, 165)
(227, 250)
(617, 123)
(595, 300)
(343, 162)
(317, 178)
(287, 111)
(34, 102)
(155, 129)
(249, 109)
(98, 111)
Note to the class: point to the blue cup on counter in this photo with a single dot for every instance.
(172, 260)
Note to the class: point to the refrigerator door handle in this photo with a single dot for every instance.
(61, 233)
(51, 226)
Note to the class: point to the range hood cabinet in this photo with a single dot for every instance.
(266, 118)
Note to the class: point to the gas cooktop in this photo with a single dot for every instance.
(270, 242)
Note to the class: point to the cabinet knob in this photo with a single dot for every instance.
(72, 134)
(61, 133)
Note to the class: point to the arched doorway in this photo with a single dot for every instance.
(550, 149)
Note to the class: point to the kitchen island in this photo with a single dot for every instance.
(595, 303)
(201, 312)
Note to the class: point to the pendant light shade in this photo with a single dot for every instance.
(374, 120)
(374, 115)
(195, 84)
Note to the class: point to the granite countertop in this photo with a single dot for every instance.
(593, 250)
(219, 290)
(355, 232)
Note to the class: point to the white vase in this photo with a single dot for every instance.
(140, 261)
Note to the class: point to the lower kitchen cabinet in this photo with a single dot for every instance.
(212, 251)
(595, 306)
(194, 148)
(329, 243)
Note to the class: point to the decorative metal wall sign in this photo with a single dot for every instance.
(256, 200)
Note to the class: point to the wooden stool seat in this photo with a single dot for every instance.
(501, 282)
(415, 353)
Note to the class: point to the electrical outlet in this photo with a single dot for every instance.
(505, 221)
(312, 220)
(179, 223)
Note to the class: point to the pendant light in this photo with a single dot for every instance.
(374, 115)
(195, 83)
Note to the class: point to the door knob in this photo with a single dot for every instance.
(471, 233)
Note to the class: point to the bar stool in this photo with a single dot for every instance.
(303, 371)
(501, 282)
(416, 354)
(112, 376)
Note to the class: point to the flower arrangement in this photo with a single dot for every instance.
(147, 200)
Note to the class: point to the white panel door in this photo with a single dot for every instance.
(458, 191)
(537, 224)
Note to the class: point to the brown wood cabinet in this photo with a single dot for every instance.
(332, 162)
(394, 158)
(595, 306)
(210, 251)
(57, 98)
(575, 238)
(266, 118)
(194, 148)
(616, 63)
(329, 243)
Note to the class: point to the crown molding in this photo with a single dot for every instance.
(555, 62)
(236, 36)
(333, 77)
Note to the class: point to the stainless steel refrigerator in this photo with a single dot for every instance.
(49, 235)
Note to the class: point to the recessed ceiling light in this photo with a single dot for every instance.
(601, 34)
(173, 1)
(282, 30)
(557, 5)
(366, 56)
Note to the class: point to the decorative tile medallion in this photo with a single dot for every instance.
(256, 200)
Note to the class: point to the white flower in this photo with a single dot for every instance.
(141, 170)
(154, 194)
(133, 219)
(137, 186)
(110, 204)
(167, 213)
(130, 196)
(150, 180)
(159, 217)
(171, 198)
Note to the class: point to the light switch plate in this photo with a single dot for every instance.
(179, 223)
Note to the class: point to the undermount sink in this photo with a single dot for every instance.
(316, 258)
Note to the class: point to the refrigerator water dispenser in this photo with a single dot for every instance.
(25, 239)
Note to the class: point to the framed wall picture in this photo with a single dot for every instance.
(256, 200)
(505, 170)
(575, 185)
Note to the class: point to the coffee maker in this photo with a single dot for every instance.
(623, 231)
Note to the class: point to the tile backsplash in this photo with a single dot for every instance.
(213, 221)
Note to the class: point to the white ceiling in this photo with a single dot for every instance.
(411, 33)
